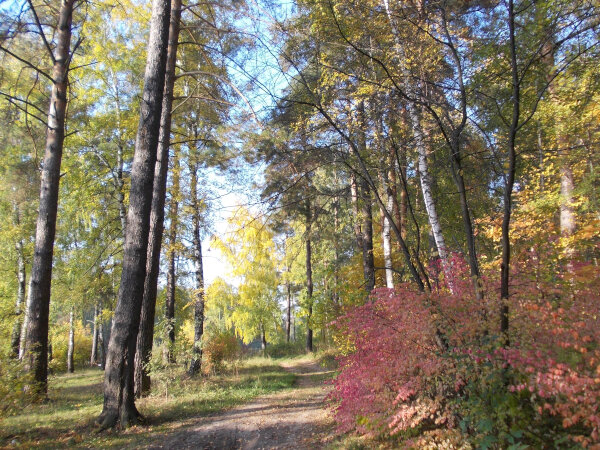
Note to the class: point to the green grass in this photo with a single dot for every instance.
(75, 400)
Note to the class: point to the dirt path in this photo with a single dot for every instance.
(295, 418)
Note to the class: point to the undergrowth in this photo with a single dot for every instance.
(75, 400)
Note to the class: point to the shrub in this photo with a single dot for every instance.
(415, 363)
(218, 349)
(13, 380)
(60, 343)
(281, 349)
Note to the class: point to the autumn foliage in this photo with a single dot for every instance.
(433, 364)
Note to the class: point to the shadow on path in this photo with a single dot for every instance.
(293, 418)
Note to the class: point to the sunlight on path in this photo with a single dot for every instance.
(296, 418)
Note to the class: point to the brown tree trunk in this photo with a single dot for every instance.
(357, 225)
(146, 332)
(196, 361)
(102, 344)
(309, 280)
(510, 179)
(71, 348)
(367, 216)
(288, 322)
(119, 403)
(169, 355)
(363, 228)
(36, 341)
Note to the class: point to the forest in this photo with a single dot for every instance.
(200, 202)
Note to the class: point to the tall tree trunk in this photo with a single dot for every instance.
(196, 361)
(169, 355)
(120, 189)
(366, 205)
(401, 208)
(36, 341)
(510, 178)
(25, 323)
(71, 348)
(119, 402)
(309, 280)
(363, 228)
(357, 224)
(422, 163)
(95, 338)
(386, 233)
(15, 340)
(146, 332)
(288, 322)
(103, 343)
(367, 216)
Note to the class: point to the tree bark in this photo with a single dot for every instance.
(102, 343)
(367, 216)
(422, 163)
(36, 341)
(25, 323)
(15, 340)
(386, 233)
(363, 228)
(146, 332)
(196, 361)
(95, 338)
(119, 403)
(510, 178)
(309, 280)
(169, 355)
(71, 348)
(358, 235)
(288, 322)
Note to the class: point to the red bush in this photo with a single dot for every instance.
(418, 361)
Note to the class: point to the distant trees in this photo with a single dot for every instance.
(250, 251)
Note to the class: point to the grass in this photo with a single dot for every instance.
(75, 400)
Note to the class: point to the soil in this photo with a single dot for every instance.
(295, 418)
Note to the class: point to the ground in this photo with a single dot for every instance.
(261, 403)
(294, 418)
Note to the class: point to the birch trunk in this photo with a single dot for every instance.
(95, 338)
(386, 235)
(422, 162)
(71, 348)
(15, 340)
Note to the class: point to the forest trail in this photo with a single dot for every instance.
(294, 418)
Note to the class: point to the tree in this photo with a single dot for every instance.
(36, 339)
(251, 252)
(119, 403)
(146, 332)
(199, 295)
